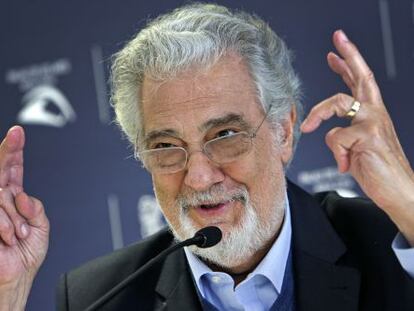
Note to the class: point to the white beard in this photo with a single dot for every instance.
(244, 240)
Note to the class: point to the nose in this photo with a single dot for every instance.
(201, 172)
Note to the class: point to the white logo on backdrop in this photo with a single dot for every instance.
(328, 178)
(36, 102)
(44, 103)
(150, 217)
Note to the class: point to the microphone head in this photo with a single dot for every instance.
(207, 237)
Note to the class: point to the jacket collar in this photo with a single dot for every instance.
(175, 286)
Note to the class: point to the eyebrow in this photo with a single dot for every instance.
(231, 118)
(159, 133)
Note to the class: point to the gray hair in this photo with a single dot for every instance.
(200, 34)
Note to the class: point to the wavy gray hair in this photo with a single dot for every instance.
(200, 34)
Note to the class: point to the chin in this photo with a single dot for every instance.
(239, 243)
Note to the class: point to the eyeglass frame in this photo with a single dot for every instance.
(251, 136)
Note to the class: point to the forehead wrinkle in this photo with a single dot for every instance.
(200, 102)
(163, 114)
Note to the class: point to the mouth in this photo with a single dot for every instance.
(210, 206)
(213, 209)
(216, 211)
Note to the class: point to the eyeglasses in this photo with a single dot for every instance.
(221, 150)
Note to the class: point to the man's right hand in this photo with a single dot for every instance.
(24, 227)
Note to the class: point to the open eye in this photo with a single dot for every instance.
(163, 145)
(225, 133)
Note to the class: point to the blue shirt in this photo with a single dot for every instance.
(261, 287)
(404, 253)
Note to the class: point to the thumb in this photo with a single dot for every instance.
(32, 210)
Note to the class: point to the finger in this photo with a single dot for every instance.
(11, 159)
(339, 66)
(339, 147)
(32, 210)
(6, 229)
(8, 205)
(338, 105)
(344, 142)
(365, 87)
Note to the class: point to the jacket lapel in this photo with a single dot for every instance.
(175, 286)
(320, 282)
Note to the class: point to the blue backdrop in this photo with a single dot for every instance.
(54, 67)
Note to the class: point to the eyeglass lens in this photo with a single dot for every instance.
(221, 150)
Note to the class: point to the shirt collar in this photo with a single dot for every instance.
(272, 265)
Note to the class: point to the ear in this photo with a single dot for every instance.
(286, 145)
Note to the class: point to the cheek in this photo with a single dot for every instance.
(267, 158)
(268, 179)
(259, 167)
(166, 189)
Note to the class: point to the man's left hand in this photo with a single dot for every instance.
(369, 148)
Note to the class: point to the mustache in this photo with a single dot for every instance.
(215, 195)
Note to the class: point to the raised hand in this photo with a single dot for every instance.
(369, 148)
(24, 227)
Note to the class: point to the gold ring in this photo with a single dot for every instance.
(356, 105)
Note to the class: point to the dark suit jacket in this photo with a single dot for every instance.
(342, 260)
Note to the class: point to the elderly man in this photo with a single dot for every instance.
(211, 103)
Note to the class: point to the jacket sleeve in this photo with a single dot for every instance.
(62, 294)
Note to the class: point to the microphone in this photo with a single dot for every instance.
(206, 237)
(203, 238)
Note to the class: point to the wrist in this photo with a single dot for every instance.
(403, 218)
(14, 295)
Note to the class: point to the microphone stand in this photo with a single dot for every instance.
(205, 237)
